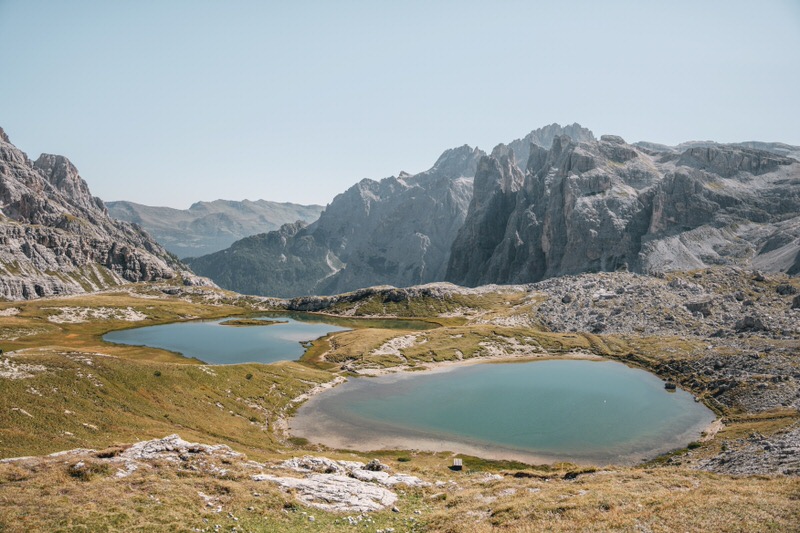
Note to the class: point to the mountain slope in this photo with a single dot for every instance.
(604, 205)
(207, 227)
(395, 231)
(55, 238)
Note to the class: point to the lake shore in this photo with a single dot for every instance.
(318, 428)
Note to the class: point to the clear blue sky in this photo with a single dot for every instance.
(169, 102)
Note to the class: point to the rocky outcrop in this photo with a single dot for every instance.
(55, 238)
(207, 227)
(341, 485)
(607, 205)
(758, 454)
(396, 231)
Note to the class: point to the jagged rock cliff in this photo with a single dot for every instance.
(605, 205)
(56, 238)
(207, 227)
(396, 231)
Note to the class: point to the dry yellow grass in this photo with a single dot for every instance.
(133, 393)
(493, 498)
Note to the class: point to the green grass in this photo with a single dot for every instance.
(76, 404)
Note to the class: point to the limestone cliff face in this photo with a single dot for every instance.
(605, 205)
(55, 238)
(395, 231)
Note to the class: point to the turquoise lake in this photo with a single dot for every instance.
(212, 342)
(598, 412)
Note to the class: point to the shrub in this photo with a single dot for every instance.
(86, 470)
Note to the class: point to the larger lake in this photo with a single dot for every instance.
(213, 342)
(596, 412)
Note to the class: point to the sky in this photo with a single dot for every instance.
(168, 102)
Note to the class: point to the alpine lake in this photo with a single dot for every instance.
(582, 411)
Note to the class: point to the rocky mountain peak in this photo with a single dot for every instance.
(498, 172)
(62, 174)
(394, 231)
(502, 150)
(10, 153)
(3, 136)
(457, 162)
(544, 138)
(615, 139)
(56, 238)
(565, 156)
(556, 202)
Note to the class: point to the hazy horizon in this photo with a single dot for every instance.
(172, 103)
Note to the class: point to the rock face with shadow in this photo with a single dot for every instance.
(607, 205)
(395, 231)
(56, 238)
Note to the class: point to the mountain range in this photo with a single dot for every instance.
(207, 227)
(557, 201)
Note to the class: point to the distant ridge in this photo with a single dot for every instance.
(207, 227)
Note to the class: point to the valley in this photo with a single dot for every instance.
(354, 267)
(102, 415)
(66, 389)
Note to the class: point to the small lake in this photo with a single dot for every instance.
(212, 342)
(598, 412)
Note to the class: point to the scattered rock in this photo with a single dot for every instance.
(335, 492)
(374, 471)
(759, 455)
(784, 289)
(173, 446)
(376, 466)
(751, 323)
(703, 307)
